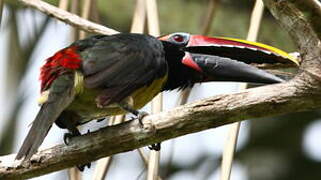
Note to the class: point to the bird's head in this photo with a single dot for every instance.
(197, 58)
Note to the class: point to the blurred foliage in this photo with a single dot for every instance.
(231, 19)
(187, 16)
(16, 68)
(274, 150)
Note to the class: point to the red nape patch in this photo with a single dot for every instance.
(61, 62)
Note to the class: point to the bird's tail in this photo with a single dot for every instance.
(60, 96)
(37, 133)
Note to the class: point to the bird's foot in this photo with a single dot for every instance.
(82, 167)
(67, 137)
(155, 147)
(140, 116)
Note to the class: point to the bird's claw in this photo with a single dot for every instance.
(155, 147)
(140, 116)
(67, 137)
(82, 167)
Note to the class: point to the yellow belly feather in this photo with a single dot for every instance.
(85, 105)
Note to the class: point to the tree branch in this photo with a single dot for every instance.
(312, 12)
(301, 28)
(69, 18)
(300, 94)
(195, 117)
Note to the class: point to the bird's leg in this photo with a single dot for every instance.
(155, 147)
(82, 167)
(140, 115)
(67, 121)
(72, 132)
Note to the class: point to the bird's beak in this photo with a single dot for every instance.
(238, 49)
(226, 59)
(216, 68)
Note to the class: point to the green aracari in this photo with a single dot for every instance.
(105, 75)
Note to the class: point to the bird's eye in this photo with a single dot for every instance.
(178, 38)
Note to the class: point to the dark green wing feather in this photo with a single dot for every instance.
(121, 64)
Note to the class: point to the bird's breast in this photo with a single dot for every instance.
(145, 94)
(86, 107)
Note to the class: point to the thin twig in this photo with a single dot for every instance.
(69, 18)
(103, 164)
(85, 14)
(157, 103)
(94, 12)
(1, 10)
(102, 167)
(74, 174)
(152, 18)
(138, 22)
(256, 18)
(231, 141)
(75, 9)
(211, 9)
(143, 157)
(63, 4)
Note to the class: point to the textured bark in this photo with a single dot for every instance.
(300, 94)
(209, 113)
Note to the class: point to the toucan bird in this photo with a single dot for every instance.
(106, 75)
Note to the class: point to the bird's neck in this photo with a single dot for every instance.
(179, 76)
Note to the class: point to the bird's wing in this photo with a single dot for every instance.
(119, 65)
(61, 94)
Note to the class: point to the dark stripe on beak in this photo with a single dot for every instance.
(225, 69)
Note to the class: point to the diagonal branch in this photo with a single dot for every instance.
(312, 12)
(69, 18)
(191, 118)
(302, 29)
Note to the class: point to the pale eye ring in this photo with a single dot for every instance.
(178, 38)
